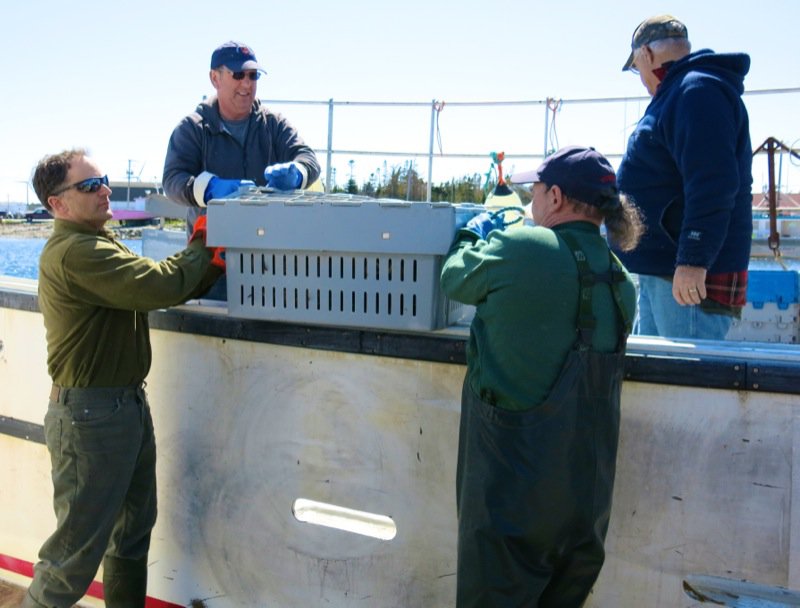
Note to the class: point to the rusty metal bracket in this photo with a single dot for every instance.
(770, 146)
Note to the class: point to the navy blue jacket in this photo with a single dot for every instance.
(202, 143)
(688, 167)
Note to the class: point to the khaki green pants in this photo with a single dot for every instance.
(103, 457)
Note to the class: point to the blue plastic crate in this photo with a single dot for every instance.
(778, 286)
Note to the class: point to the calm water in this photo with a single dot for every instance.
(20, 257)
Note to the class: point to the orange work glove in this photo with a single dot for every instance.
(199, 232)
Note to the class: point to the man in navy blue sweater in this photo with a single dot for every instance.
(688, 167)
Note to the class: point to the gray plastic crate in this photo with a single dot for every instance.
(331, 259)
(767, 322)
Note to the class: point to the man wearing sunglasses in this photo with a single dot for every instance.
(94, 294)
(233, 137)
(688, 167)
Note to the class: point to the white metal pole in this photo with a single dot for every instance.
(430, 150)
(328, 185)
(546, 117)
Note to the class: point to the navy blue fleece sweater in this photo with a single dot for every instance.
(688, 167)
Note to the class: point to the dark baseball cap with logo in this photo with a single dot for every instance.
(582, 174)
(236, 57)
(655, 28)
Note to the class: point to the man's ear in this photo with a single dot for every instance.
(649, 57)
(55, 203)
(213, 76)
(558, 197)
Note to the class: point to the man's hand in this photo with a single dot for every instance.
(199, 231)
(283, 176)
(218, 257)
(219, 187)
(689, 285)
(482, 224)
(464, 212)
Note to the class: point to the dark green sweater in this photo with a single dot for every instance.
(94, 294)
(524, 282)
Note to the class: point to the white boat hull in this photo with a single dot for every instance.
(705, 480)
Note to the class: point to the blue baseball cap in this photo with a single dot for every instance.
(582, 174)
(236, 57)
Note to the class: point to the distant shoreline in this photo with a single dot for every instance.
(43, 230)
(24, 230)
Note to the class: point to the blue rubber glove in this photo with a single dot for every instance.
(464, 212)
(219, 187)
(481, 225)
(283, 176)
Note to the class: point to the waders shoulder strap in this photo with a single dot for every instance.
(613, 276)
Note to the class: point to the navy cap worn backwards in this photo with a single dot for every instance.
(236, 57)
(582, 174)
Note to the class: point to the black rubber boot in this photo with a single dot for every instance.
(124, 582)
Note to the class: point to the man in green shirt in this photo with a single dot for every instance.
(94, 294)
(540, 403)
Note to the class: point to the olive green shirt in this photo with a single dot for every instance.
(524, 282)
(94, 294)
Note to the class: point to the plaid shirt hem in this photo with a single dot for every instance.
(728, 289)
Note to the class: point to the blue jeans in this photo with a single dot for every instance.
(660, 315)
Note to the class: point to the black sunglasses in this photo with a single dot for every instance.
(254, 75)
(93, 184)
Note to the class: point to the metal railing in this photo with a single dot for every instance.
(550, 106)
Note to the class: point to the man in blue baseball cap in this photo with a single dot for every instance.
(540, 402)
(232, 140)
(234, 74)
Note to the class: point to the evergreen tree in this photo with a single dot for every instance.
(405, 183)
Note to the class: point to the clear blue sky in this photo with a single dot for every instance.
(117, 77)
